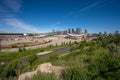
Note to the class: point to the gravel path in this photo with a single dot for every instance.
(44, 53)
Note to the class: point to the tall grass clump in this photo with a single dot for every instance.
(44, 76)
(76, 73)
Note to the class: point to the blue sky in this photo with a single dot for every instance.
(45, 15)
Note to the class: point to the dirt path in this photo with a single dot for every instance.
(44, 53)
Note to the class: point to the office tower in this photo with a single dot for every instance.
(78, 31)
(73, 31)
(69, 30)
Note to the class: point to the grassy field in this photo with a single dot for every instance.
(12, 63)
(95, 60)
(9, 56)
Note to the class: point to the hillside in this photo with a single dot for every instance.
(98, 59)
(95, 60)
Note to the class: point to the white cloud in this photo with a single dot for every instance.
(8, 8)
(85, 8)
(7, 18)
(21, 25)
(90, 6)
(15, 5)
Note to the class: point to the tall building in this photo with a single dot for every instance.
(69, 30)
(78, 31)
(73, 31)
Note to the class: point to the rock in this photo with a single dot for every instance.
(2, 63)
(27, 75)
(44, 68)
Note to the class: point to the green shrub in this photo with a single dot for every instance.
(41, 49)
(11, 69)
(32, 58)
(20, 49)
(99, 65)
(53, 56)
(44, 76)
(74, 47)
(76, 73)
(2, 72)
(24, 49)
(50, 46)
(76, 53)
(75, 42)
(70, 43)
(113, 48)
(107, 68)
(25, 44)
(14, 46)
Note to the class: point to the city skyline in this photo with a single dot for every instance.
(42, 16)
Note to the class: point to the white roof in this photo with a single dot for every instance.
(76, 35)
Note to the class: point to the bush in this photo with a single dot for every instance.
(32, 58)
(44, 76)
(76, 53)
(41, 49)
(50, 46)
(53, 57)
(20, 49)
(24, 49)
(76, 73)
(107, 68)
(11, 69)
(2, 72)
(70, 43)
(14, 46)
(113, 48)
(74, 47)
